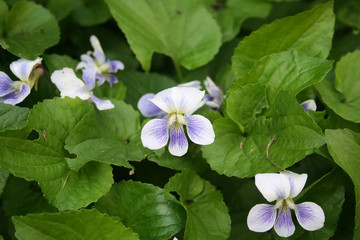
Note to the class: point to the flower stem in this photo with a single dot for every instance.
(178, 70)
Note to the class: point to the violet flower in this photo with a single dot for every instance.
(71, 86)
(215, 97)
(309, 105)
(14, 92)
(95, 65)
(177, 104)
(283, 187)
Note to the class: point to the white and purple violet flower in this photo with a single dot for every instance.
(14, 92)
(174, 108)
(309, 105)
(96, 66)
(215, 97)
(283, 187)
(71, 86)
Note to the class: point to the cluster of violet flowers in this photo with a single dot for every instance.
(173, 110)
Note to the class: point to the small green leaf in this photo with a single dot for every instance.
(3, 12)
(207, 214)
(29, 30)
(344, 147)
(21, 197)
(12, 117)
(182, 30)
(288, 136)
(107, 136)
(343, 97)
(45, 157)
(56, 62)
(83, 224)
(90, 12)
(60, 9)
(144, 208)
(309, 32)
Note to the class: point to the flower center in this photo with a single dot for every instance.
(17, 85)
(285, 203)
(177, 120)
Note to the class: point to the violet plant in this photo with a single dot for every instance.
(206, 120)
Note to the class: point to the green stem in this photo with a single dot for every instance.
(178, 70)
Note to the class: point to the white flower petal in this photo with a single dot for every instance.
(18, 94)
(297, 182)
(284, 225)
(261, 218)
(98, 52)
(5, 84)
(187, 99)
(86, 61)
(22, 68)
(310, 216)
(178, 143)
(154, 134)
(195, 84)
(200, 130)
(69, 85)
(164, 100)
(148, 108)
(273, 186)
(102, 104)
(309, 105)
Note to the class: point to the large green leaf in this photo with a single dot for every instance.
(183, 30)
(144, 208)
(344, 147)
(45, 157)
(288, 136)
(110, 137)
(207, 214)
(309, 32)
(29, 30)
(344, 97)
(83, 224)
(90, 12)
(21, 197)
(231, 14)
(12, 117)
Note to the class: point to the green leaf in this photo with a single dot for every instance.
(329, 193)
(90, 12)
(245, 102)
(45, 157)
(115, 91)
(344, 147)
(144, 208)
(56, 62)
(288, 136)
(60, 9)
(12, 117)
(138, 84)
(182, 30)
(83, 224)
(3, 178)
(207, 214)
(232, 13)
(110, 137)
(348, 12)
(3, 12)
(28, 36)
(309, 32)
(343, 98)
(287, 71)
(21, 197)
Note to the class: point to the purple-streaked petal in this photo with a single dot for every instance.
(89, 77)
(86, 60)
(200, 130)
(5, 84)
(261, 218)
(148, 108)
(17, 95)
(115, 66)
(164, 100)
(310, 216)
(211, 102)
(69, 85)
(212, 88)
(297, 182)
(284, 225)
(101, 79)
(309, 105)
(196, 84)
(98, 52)
(273, 186)
(178, 143)
(112, 79)
(22, 68)
(102, 104)
(187, 99)
(154, 134)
